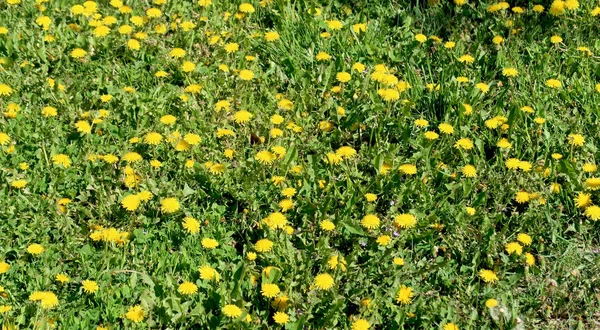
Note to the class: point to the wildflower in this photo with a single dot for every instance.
(209, 243)
(466, 59)
(483, 87)
(231, 47)
(593, 212)
(592, 183)
(263, 245)
(327, 225)
(208, 273)
(430, 135)
(522, 197)
(469, 171)
(19, 184)
(488, 276)
(4, 267)
(89, 286)
(446, 128)
(345, 152)
(78, 53)
(514, 248)
(187, 288)
(246, 75)
(246, 8)
(231, 311)
(324, 281)
(265, 157)
(510, 72)
(191, 225)
(281, 318)
(61, 159)
(135, 314)
(35, 249)
(491, 303)
(553, 83)
(242, 117)
(322, 56)
(405, 221)
(556, 39)
(343, 77)
(408, 169)
(589, 167)
(384, 240)
(360, 324)
(370, 221)
(169, 205)
(464, 143)
(576, 140)
(269, 290)
(405, 295)
(62, 278)
(271, 36)
(334, 24)
(421, 38)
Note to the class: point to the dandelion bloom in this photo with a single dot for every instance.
(593, 212)
(61, 159)
(89, 286)
(522, 197)
(524, 239)
(169, 205)
(408, 169)
(464, 143)
(421, 38)
(510, 72)
(361, 324)
(370, 221)
(4, 267)
(514, 248)
(35, 249)
(130, 202)
(19, 184)
(246, 75)
(209, 243)
(450, 326)
(491, 303)
(231, 311)
(78, 53)
(553, 83)
(136, 314)
(488, 276)
(405, 221)
(343, 77)
(187, 288)
(242, 116)
(271, 36)
(446, 128)
(246, 8)
(263, 245)
(208, 273)
(469, 171)
(324, 281)
(269, 290)
(191, 225)
(5, 90)
(327, 225)
(405, 295)
(346, 152)
(576, 140)
(583, 200)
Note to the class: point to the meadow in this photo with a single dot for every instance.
(208, 164)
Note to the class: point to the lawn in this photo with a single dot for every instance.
(208, 164)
